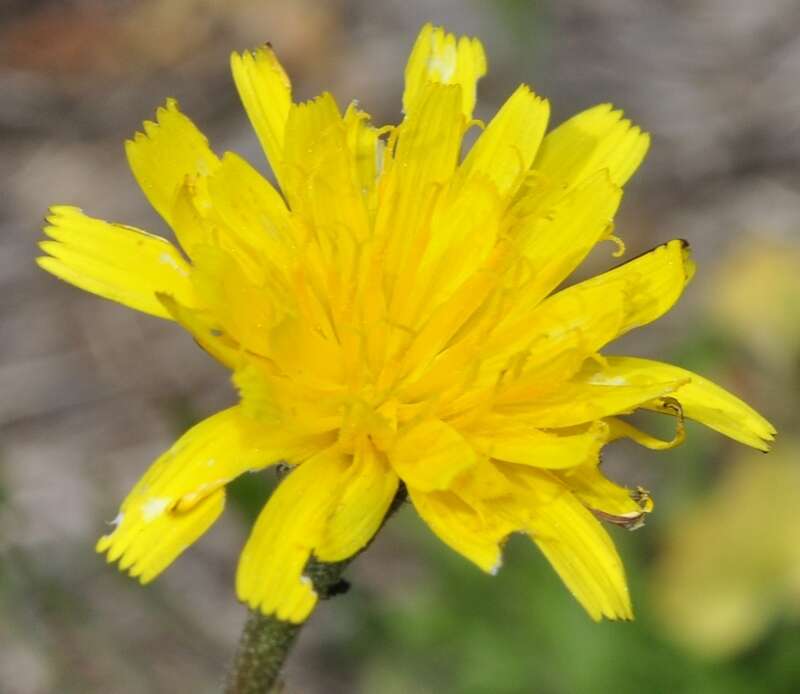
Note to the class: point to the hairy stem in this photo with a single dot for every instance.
(266, 641)
(263, 647)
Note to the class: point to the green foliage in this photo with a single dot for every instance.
(462, 632)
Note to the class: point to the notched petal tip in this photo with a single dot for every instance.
(103, 543)
(114, 261)
(593, 139)
(766, 437)
(151, 535)
(170, 106)
(439, 56)
(626, 616)
(261, 56)
(55, 213)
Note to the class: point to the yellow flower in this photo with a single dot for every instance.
(392, 317)
(706, 597)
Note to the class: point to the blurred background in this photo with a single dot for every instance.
(92, 392)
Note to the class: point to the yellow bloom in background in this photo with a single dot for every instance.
(391, 318)
(706, 595)
(758, 277)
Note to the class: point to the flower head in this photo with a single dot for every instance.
(391, 317)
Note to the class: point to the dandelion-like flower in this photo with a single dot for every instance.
(390, 318)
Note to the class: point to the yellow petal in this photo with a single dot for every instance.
(591, 396)
(207, 331)
(270, 574)
(245, 311)
(416, 168)
(596, 139)
(464, 227)
(482, 485)
(166, 153)
(607, 500)
(651, 283)
(304, 356)
(583, 554)
(117, 262)
(700, 399)
(429, 140)
(551, 342)
(181, 494)
(369, 488)
(430, 455)
(577, 321)
(147, 546)
(321, 181)
(219, 224)
(554, 242)
(295, 407)
(619, 428)
(588, 315)
(438, 56)
(505, 150)
(504, 438)
(461, 527)
(254, 215)
(366, 148)
(266, 94)
(189, 217)
(425, 345)
(416, 171)
(576, 545)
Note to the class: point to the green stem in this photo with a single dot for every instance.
(266, 641)
(263, 647)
